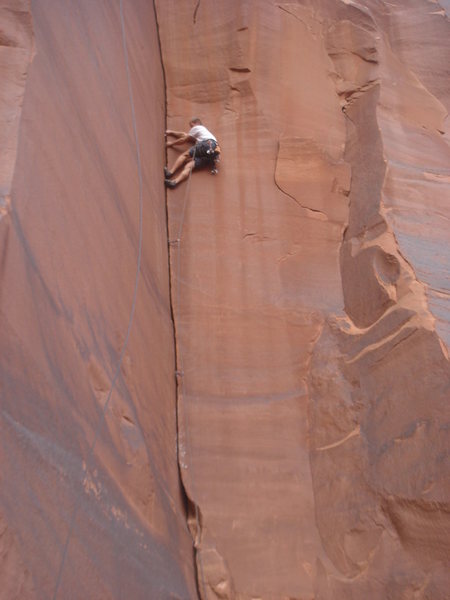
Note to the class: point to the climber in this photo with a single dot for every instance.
(205, 152)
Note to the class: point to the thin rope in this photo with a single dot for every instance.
(133, 305)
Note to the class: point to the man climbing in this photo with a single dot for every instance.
(204, 153)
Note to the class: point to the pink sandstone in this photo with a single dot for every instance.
(302, 450)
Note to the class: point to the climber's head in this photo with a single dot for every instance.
(195, 121)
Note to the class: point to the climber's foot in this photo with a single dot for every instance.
(169, 183)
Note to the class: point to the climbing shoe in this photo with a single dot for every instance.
(169, 183)
(167, 173)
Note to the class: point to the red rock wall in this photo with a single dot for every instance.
(311, 295)
(309, 288)
(69, 238)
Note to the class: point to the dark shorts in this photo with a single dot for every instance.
(201, 159)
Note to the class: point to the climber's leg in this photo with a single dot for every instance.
(180, 161)
(182, 176)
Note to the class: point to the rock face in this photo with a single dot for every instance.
(303, 452)
(70, 242)
(311, 296)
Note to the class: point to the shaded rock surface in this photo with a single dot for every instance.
(69, 241)
(303, 451)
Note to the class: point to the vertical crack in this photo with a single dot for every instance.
(189, 506)
(194, 17)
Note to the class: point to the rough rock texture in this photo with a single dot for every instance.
(69, 239)
(311, 296)
(309, 287)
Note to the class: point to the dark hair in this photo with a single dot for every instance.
(195, 120)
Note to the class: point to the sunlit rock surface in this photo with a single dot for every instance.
(309, 283)
(312, 301)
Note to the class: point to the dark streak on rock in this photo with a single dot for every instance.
(194, 18)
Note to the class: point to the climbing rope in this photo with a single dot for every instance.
(132, 310)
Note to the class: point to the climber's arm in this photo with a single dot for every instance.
(180, 138)
(177, 134)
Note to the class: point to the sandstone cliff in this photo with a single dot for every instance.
(77, 222)
(312, 318)
(303, 451)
